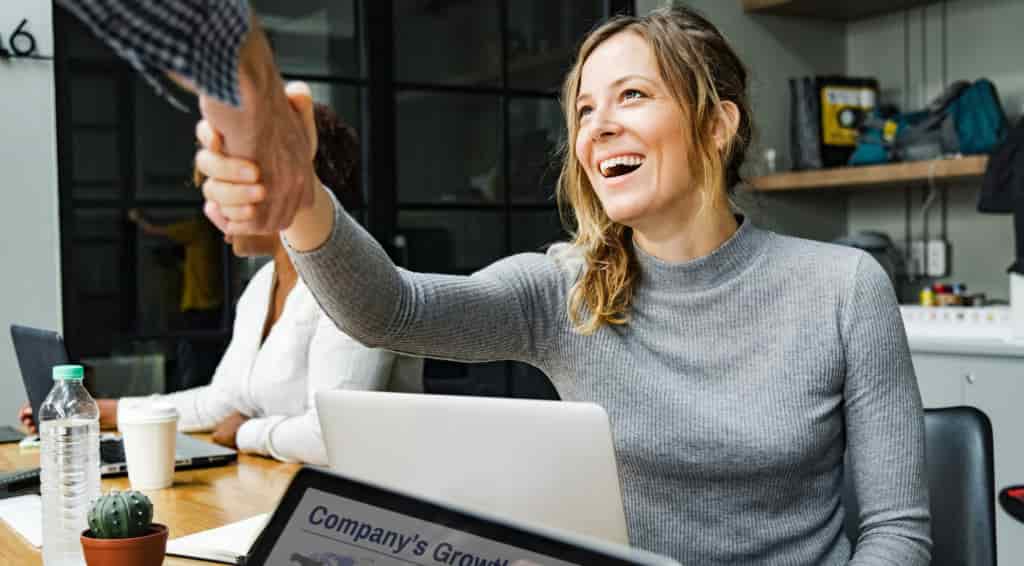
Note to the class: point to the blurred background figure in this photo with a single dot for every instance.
(283, 348)
(201, 292)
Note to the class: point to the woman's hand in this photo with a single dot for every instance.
(108, 413)
(27, 421)
(235, 196)
(226, 433)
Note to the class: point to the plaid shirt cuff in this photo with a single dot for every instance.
(197, 39)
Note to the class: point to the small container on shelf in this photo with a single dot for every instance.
(927, 297)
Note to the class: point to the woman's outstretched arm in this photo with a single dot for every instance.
(506, 311)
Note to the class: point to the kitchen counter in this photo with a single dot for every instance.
(969, 331)
(966, 346)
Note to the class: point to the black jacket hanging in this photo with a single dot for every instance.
(1002, 190)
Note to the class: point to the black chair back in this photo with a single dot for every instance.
(961, 488)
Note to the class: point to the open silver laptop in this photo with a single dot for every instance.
(39, 350)
(188, 453)
(546, 463)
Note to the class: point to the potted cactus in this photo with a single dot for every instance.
(121, 532)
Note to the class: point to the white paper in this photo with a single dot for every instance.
(25, 515)
(223, 544)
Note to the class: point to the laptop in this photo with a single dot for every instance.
(327, 519)
(39, 350)
(548, 463)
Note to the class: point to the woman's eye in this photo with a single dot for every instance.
(584, 111)
(632, 94)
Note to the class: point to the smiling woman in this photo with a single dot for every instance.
(661, 125)
(745, 373)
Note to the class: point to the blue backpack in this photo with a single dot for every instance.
(979, 117)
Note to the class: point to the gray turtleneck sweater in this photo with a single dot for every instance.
(733, 392)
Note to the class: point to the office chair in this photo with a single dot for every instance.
(1011, 498)
(961, 488)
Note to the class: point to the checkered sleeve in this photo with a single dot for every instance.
(198, 39)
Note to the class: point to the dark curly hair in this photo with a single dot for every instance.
(338, 160)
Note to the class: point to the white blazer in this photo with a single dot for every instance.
(274, 384)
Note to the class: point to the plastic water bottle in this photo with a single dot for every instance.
(69, 430)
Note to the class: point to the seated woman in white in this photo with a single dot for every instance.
(283, 348)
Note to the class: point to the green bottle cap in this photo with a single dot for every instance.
(68, 372)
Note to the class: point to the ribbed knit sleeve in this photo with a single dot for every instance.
(884, 426)
(483, 317)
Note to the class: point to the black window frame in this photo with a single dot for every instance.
(378, 88)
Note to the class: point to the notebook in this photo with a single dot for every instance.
(24, 514)
(228, 544)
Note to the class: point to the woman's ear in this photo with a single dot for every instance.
(726, 124)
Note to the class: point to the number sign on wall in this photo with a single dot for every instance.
(19, 43)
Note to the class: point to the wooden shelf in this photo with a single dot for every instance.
(874, 176)
(839, 10)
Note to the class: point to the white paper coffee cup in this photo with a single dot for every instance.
(149, 432)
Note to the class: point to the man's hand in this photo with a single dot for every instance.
(227, 429)
(268, 132)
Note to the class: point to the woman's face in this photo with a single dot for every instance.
(632, 140)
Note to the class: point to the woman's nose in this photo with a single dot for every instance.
(604, 126)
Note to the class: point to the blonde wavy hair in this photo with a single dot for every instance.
(701, 71)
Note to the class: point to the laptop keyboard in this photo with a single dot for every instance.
(111, 451)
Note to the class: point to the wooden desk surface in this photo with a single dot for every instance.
(199, 500)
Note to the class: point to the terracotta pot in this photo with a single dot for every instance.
(147, 550)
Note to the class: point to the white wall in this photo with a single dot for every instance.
(30, 291)
(984, 40)
(644, 6)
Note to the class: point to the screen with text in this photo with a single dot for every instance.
(328, 530)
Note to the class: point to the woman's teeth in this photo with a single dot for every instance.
(617, 166)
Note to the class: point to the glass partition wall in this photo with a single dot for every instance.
(456, 105)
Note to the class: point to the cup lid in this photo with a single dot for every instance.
(155, 412)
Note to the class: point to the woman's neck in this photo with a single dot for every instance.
(284, 270)
(285, 278)
(690, 238)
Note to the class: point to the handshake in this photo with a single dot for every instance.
(258, 167)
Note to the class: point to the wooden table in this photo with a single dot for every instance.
(199, 500)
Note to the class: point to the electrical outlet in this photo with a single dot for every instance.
(938, 258)
(932, 255)
(915, 264)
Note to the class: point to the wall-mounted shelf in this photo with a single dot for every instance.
(841, 10)
(874, 176)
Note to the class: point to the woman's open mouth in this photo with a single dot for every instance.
(620, 165)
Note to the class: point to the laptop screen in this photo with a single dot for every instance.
(327, 520)
(37, 351)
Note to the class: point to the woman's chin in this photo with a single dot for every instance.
(624, 213)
